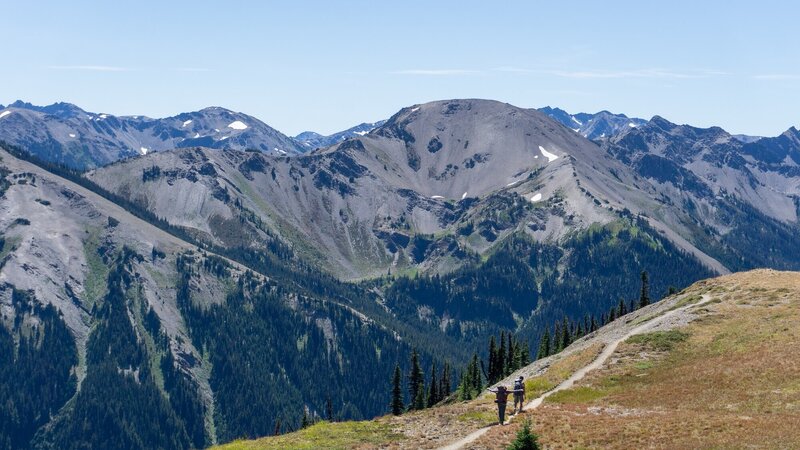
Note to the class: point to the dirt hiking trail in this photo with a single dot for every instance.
(580, 373)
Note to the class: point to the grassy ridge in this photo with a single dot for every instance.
(728, 379)
(336, 435)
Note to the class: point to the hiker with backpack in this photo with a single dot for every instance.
(519, 393)
(501, 398)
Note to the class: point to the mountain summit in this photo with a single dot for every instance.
(594, 126)
(428, 170)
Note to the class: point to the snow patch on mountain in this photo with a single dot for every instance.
(550, 156)
(237, 125)
(4, 113)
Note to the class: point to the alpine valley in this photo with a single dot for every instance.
(187, 281)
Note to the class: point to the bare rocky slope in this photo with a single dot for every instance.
(737, 199)
(133, 323)
(463, 174)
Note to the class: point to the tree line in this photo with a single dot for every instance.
(509, 355)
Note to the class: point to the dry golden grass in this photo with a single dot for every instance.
(728, 380)
(435, 427)
(560, 370)
(734, 382)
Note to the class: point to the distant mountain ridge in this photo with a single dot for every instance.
(65, 133)
(594, 126)
(312, 140)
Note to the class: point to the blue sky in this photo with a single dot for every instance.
(326, 65)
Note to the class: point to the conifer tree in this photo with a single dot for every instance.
(471, 383)
(565, 336)
(525, 355)
(510, 360)
(672, 291)
(501, 357)
(556, 346)
(644, 297)
(277, 429)
(397, 392)
(329, 405)
(477, 381)
(544, 345)
(444, 385)
(492, 372)
(465, 385)
(612, 315)
(416, 383)
(419, 399)
(517, 356)
(579, 333)
(433, 389)
(593, 325)
(526, 439)
(622, 308)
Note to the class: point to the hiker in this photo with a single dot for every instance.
(501, 398)
(519, 393)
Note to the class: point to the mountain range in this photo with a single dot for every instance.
(594, 126)
(312, 140)
(67, 134)
(216, 276)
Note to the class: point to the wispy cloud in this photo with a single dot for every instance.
(777, 77)
(436, 72)
(610, 74)
(92, 68)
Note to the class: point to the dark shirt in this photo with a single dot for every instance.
(501, 396)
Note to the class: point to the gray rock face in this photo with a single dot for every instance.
(430, 187)
(441, 182)
(64, 133)
(710, 163)
(56, 234)
(594, 126)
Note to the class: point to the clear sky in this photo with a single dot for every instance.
(328, 65)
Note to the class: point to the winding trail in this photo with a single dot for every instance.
(580, 373)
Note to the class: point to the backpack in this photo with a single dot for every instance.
(518, 385)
